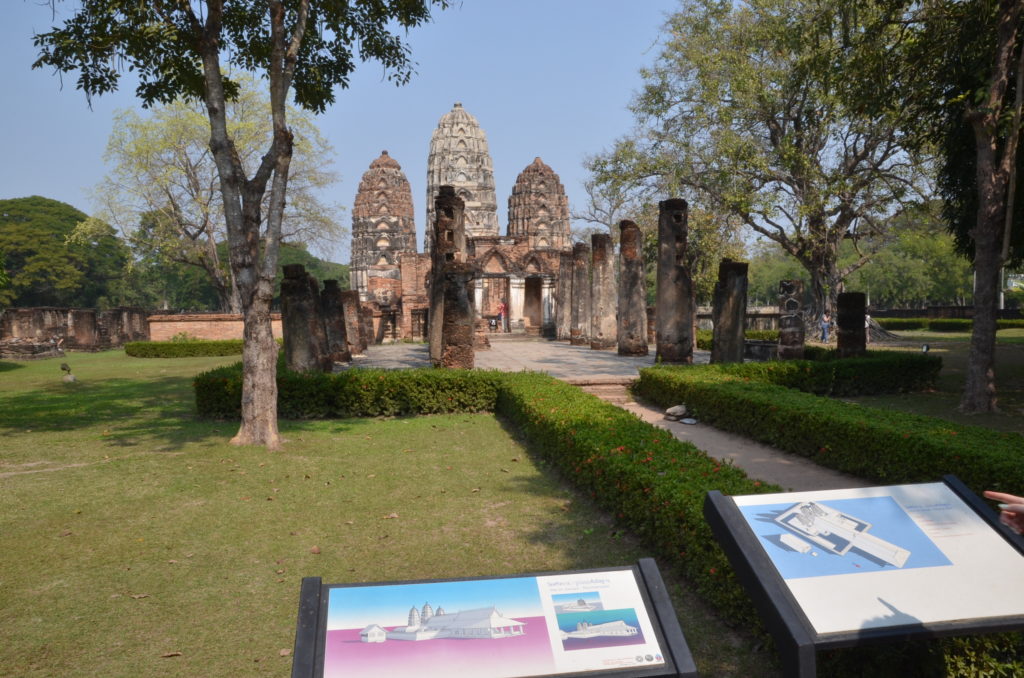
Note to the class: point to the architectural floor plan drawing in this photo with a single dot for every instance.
(836, 532)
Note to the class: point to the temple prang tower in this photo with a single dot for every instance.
(459, 157)
(538, 209)
(383, 229)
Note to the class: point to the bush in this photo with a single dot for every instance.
(644, 476)
(902, 323)
(880, 445)
(949, 325)
(705, 337)
(353, 393)
(179, 347)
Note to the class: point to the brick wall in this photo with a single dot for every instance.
(203, 325)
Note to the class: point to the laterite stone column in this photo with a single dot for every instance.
(729, 312)
(458, 327)
(674, 298)
(850, 333)
(333, 313)
(632, 314)
(449, 246)
(580, 330)
(603, 304)
(791, 320)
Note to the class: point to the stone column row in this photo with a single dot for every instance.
(317, 325)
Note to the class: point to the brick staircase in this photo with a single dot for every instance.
(612, 390)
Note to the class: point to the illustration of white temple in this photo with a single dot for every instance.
(613, 628)
(578, 606)
(836, 532)
(425, 624)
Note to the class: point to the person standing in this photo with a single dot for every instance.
(826, 323)
(502, 312)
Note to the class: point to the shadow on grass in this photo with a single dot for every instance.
(586, 534)
(7, 367)
(159, 409)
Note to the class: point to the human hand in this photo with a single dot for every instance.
(1011, 509)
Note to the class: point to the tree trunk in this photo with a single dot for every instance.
(259, 374)
(994, 160)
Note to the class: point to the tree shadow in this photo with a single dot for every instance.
(8, 366)
(155, 410)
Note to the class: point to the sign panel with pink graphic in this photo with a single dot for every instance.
(592, 622)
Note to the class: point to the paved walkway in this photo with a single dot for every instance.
(582, 366)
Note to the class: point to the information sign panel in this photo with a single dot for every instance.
(595, 623)
(838, 567)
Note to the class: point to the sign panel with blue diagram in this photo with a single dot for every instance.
(886, 556)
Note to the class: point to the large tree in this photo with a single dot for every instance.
(46, 265)
(919, 268)
(954, 69)
(182, 48)
(163, 169)
(741, 111)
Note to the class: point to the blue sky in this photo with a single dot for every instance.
(548, 78)
(359, 606)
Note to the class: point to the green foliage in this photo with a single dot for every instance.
(47, 265)
(704, 337)
(353, 393)
(920, 267)
(162, 45)
(769, 264)
(949, 325)
(5, 280)
(183, 337)
(902, 323)
(319, 268)
(163, 189)
(880, 445)
(646, 478)
(183, 347)
(738, 110)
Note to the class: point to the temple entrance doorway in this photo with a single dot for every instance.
(496, 291)
(532, 305)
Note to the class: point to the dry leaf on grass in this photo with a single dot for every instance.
(285, 653)
(166, 655)
(139, 596)
(315, 550)
(390, 516)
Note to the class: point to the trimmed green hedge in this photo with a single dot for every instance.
(824, 373)
(183, 349)
(880, 445)
(942, 324)
(705, 337)
(902, 323)
(950, 325)
(353, 393)
(645, 477)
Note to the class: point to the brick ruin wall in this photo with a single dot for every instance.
(36, 332)
(204, 326)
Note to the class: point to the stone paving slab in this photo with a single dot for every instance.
(582, 365)
(574, 364)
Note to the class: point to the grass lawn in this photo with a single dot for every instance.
(942, 402)
(137, 542)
